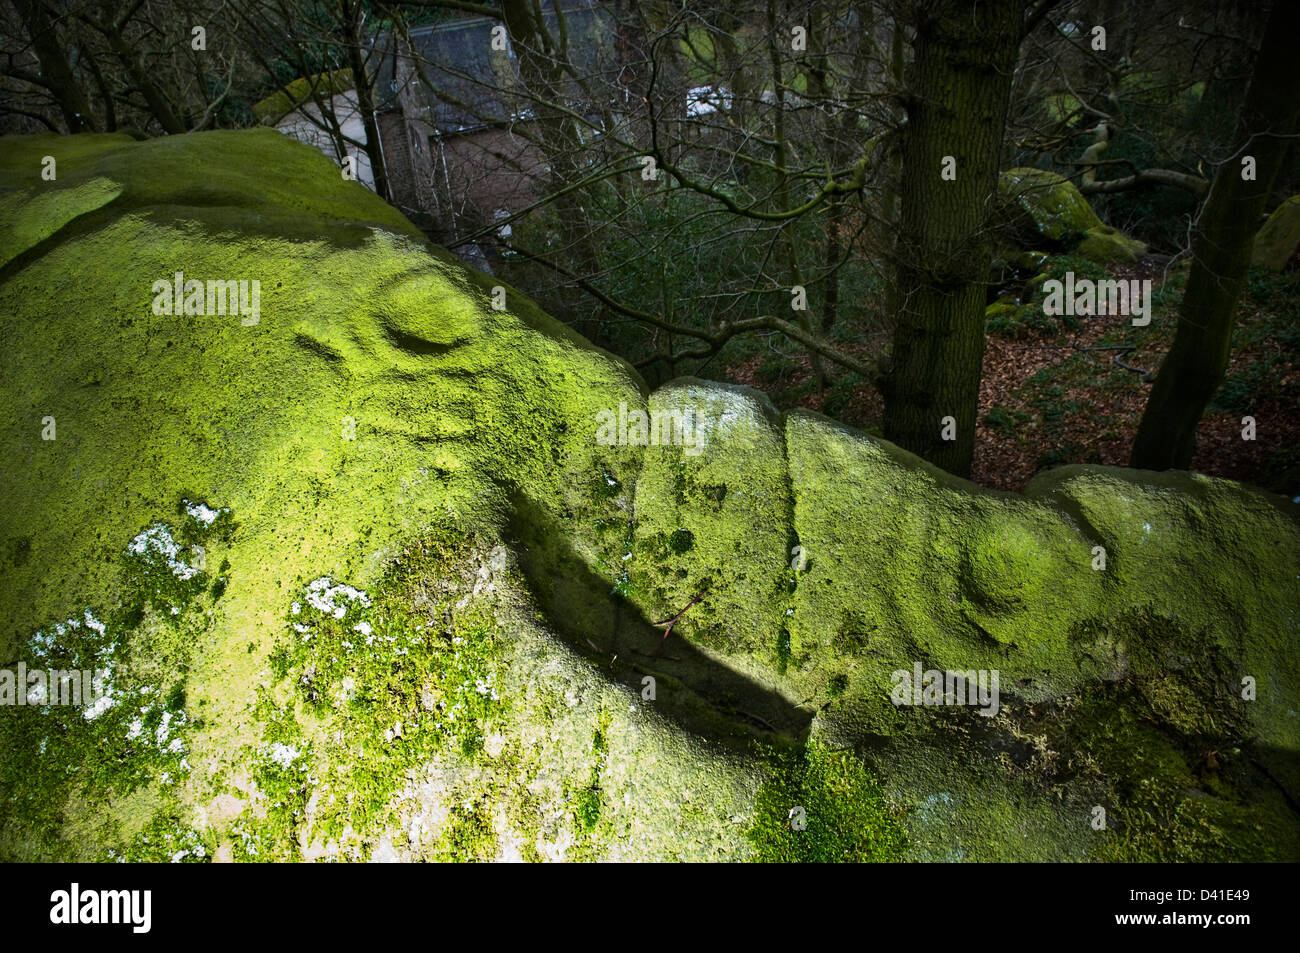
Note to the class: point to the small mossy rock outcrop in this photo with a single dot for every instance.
(387, 574)
(1277, 241)
(1048, 210)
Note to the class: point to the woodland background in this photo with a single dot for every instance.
(801, 144)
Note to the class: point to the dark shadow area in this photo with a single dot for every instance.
(701, 694)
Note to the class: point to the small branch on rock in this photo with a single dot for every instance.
(755, 718)
(667, 624)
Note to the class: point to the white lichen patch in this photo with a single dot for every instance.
(78, 648)
(102, 723)
(158, 729)
(717, 415)
(198, 852)
(324, 596)
(283, 755)
(157, 544)
(203, 514)
(165, 840)
(102, 704)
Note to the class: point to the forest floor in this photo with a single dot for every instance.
(1050, 395)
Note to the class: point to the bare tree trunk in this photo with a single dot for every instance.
(1221, 247)
(789, 252)
(106, 94)
(839, 126)
(959, 88)
(56, 74)
(159, 107)
(353, 21)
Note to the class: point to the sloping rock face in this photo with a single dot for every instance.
(1277, 241)
(375, 570)
(1055, 215)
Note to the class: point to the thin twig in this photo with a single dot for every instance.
(1122, 349)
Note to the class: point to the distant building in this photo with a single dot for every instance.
(456, 124)
(454, 120)
(451, 116)
(335, 93)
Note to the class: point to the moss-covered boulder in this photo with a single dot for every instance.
(1105, 244)
(1049, 210)
(304, 89)
(1277, 241)
(379, 571)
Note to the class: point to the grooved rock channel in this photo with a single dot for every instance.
(365, 584)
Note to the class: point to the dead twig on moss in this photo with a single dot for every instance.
(667, 624)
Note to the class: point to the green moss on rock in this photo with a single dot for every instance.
(303, 89)
(383, 427)
(1058, 213)
(1277, 241)
(1104, 244)
(730, 494)
(822, 806)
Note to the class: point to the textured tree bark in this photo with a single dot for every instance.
(56, 74)
(1221, 248)
(789, 252)
(159, 107)
(105, 93)
(959, 85)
